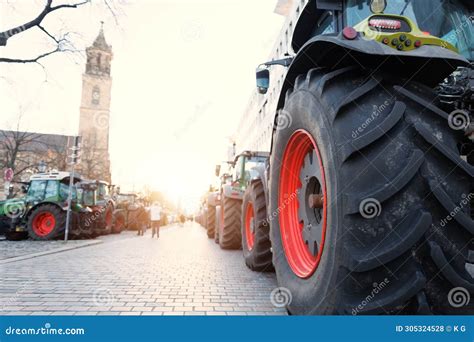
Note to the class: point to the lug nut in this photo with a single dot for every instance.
(316, 201)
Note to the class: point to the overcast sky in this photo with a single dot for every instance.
(183, 71)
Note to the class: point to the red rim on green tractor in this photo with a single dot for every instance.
(249, 226)
(302, 202)
(44, 224)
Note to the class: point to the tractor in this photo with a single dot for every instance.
(244, 169)
(41, 213)
(131, 213)
(100, 218)
(371, 170)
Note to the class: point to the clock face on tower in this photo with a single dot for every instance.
(96, 95)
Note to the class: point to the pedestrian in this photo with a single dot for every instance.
(155, 213)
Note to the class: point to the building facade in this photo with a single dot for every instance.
(256, 124)
(94, 122)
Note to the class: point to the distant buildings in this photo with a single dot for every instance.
(26, 151)
(255, 128)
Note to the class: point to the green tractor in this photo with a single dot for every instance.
(41, 213)
(99, 216)
(371, 167)
(231, 193)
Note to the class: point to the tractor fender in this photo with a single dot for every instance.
(430, 64)
(213, 199)
(233, 192)
(45, 203)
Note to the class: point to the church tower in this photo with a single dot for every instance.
(95, 111)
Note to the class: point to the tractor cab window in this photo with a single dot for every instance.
(448, 20)
(36, 189)
(325, 24)
(103, 192)
(51, 189)
(88, 197)
(64, 191)
(238, 168)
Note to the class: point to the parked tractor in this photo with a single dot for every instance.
(371, 175)
(245, 167)
(130, 213)
(101, 216)
(41, 213)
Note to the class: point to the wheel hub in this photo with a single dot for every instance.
(310, 200)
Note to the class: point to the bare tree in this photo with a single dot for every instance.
(61, 43)
(18, 149)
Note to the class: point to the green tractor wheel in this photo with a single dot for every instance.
(229, 234)
(46, 222)
(364, 175)
(211, 221)
(256, 243)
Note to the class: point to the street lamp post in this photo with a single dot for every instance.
(74, 160)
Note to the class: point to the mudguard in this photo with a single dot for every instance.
(234, 192)
(333, 51)
(213, 199)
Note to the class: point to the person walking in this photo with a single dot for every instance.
(155, 213)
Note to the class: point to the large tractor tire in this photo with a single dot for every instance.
(219, 219)
(230, 235)
(373, 198)
(119, 222)
(256, 245)
(211, 221)
(46, 222)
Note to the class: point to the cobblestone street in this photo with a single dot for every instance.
(182, 273)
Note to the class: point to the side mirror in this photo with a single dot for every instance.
(218, 170)
(263, 80)
(24, 189)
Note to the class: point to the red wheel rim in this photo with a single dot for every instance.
(302, 262)
(249, 230)
(44, 224)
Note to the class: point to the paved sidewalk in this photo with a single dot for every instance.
(182, 273)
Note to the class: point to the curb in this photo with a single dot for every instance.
(52, 251)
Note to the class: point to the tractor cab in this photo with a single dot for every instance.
(428, 22)
(244, 166)
(51, 187)
(398, 34)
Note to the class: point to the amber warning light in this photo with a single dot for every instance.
(385, 24)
